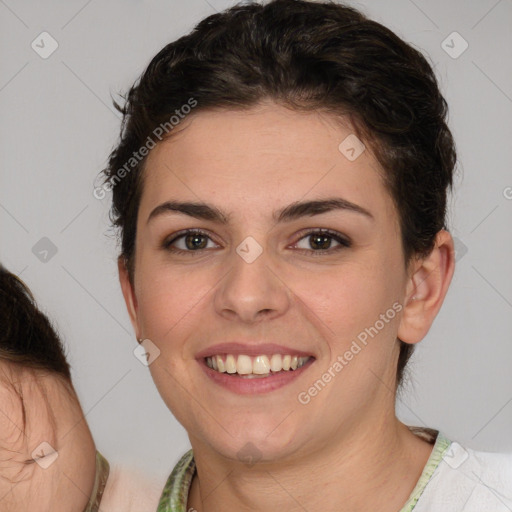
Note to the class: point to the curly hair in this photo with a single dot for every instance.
(306, 56)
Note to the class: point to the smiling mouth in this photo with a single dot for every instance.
(261, 366)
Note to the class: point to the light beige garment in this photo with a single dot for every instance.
(123, 489)
(128, 490)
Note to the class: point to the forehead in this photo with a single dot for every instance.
(265, 158)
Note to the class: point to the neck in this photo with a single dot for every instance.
(360, 469)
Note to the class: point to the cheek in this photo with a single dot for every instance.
(169, 303)
(347, 298)
(80, 464)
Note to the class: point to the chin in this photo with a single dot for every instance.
(257, 444)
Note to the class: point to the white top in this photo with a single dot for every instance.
(467, 480)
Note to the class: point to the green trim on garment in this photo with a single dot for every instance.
(440, 447)
(175, 494)
(100, 481)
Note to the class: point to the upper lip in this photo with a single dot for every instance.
(253, 349)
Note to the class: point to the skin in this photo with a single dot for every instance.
(53, 415)
(346, 442)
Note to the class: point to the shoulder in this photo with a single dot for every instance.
(481, 466)
(471, 480)
(128, 490)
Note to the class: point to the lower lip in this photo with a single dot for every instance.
(245, 386)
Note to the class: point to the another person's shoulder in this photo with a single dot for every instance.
(469, 480)
(129, 490)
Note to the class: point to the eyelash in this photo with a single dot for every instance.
(344, 242)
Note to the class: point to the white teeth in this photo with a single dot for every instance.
(244, 365)
(230, 364)
(276, 363)
(260, 365)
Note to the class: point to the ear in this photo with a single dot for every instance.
(128, 294)
(426, 289)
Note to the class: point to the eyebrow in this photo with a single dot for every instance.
(291, 212)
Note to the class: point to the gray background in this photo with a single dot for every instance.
(58, 126)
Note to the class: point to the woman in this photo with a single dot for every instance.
(49, 461)
(280, 189)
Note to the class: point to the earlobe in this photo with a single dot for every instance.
(426, 289)
(128, 294)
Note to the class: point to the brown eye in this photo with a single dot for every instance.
(320, 241)
(195, 241)
(188, 241)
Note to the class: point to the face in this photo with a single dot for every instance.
(46, 420)
(264, 274)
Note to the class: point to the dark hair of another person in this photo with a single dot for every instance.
(306, 56)
(27, 336)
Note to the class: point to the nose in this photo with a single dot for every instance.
(251, 291)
